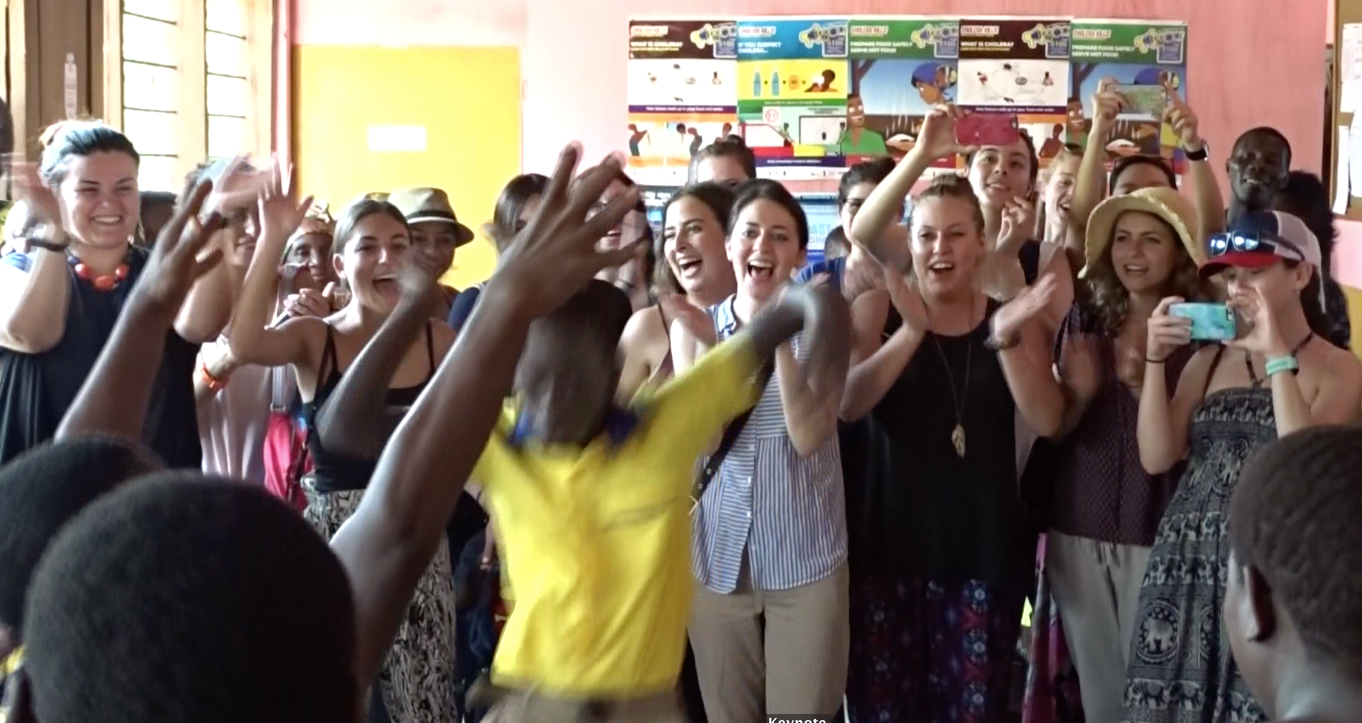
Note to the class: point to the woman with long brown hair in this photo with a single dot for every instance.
(371, 252)
(1105, 509)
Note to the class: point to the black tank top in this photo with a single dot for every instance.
(336, 471)
(922, 510)
(36, 390)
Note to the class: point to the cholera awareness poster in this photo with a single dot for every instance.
(681, 95)
(792, 94)
(813, 95)
(1147, 62)
(1020, 68)
(900, 69)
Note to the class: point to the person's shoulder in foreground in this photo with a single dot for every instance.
(1293, 605)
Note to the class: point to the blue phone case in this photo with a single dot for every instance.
(1210, 322)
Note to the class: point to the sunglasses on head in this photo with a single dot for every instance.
(1254, 242)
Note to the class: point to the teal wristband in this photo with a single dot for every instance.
(1281, 364)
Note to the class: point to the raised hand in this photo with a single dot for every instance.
(281, 212)
(178, 258)
(556, 254)
(236, 188)
(1184, 122)
(937, 137)
(1027, 305)
(907, 301)
(1018, 224)
(1166, 332)
(1107, 103)
(827, 337)
(30, 189)
(307, 302)
(1263, 336)
(417, 279)
(694, 320)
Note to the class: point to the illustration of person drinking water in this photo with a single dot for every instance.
(636, 137)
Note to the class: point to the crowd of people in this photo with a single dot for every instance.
(259, 463)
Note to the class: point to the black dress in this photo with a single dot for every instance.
(942, 544)
(36, 390)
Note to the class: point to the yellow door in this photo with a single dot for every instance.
(374, 119)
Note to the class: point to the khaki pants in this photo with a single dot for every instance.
(778, 652)
(520, 706)
(1096, 586)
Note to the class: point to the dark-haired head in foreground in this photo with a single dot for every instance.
(569, 371)
(40, 492)
(1293, 606)
(180, 599)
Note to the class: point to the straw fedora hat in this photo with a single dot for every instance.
(1165, 203)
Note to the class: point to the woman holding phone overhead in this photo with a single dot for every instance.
(1276, 377)
(1003, 176)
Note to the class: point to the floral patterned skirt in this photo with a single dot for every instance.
(417, 678)
(929, 652)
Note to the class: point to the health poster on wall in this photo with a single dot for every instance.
(792, 84)
(1147, 59)
(900, 69)
(681, 94)
(1018, 67)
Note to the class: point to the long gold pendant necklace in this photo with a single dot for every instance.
(957, 434)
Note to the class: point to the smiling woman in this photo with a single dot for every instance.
(77, 274)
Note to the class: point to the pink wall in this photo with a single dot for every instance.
(573, 55)
(410, 22)
(574, 52)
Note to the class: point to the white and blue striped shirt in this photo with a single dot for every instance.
(785, 513)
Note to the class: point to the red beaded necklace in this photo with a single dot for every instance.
(101, 282)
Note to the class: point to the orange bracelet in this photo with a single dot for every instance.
(210, 381)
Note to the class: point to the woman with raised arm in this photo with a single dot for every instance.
(1003, 179)
(371, 245)
(1278, 376)
(694, 220)
(943, 371)
(1131, 173)
(59, 302)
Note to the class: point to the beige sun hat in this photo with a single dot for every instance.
(1165, 203)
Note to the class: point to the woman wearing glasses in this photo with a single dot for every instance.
(1278, 375)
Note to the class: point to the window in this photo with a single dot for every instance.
(193, 81)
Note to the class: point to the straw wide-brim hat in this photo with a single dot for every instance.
(1165, 203)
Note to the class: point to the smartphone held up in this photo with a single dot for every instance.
(1210, 322)
(987, 129)
(1144, 102)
